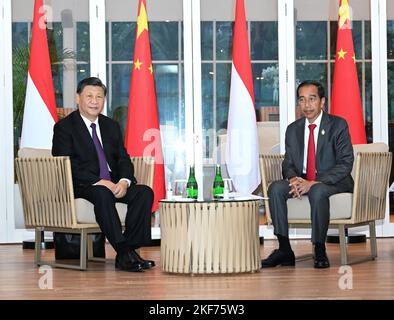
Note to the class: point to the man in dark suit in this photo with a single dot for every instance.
(103, 174)
(318, 172)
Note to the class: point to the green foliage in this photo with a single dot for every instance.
(20, 65)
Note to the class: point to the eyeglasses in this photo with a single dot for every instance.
(311, 99)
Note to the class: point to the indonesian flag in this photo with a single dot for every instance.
(40, 107)
(345, 98)
(142, 130)
(242, 149)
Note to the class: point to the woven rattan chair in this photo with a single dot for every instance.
(48, 201)
(371, 171)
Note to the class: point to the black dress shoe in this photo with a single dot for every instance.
(321, 261)
(126, 262)
(146, 264)
(320, 258)
(278, 257)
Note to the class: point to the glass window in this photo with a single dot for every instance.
(20, 64)
(390, 39)
(207, 96)
(56, 54)
(264, 40)
(311, 40)
(223, 76)
(316, 71)
(120, 85)
(20, 34)
(123, 40)
(164, 40)
(224, 40)
(206, 40)
(390, 76)
(83, 46)
(367, 41)
(266, 84)
(167, 92)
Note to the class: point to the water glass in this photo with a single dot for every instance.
(180, 188)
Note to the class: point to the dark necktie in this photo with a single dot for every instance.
(311, 157)
(104, 172)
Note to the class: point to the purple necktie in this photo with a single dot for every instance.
(104, 172)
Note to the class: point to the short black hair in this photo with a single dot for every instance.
(320, 89)
(91, 81)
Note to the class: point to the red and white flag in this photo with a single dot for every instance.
(242, 149)
(142, 130)
(40, 106)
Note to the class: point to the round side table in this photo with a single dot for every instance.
(210, 236)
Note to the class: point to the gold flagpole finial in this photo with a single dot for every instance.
(344, 13)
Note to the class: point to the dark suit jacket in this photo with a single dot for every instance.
(72, 138)
(334, 152)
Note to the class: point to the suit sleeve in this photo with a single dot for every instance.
(125, 166)
(62, 145)
(288, 168)
(344, 156)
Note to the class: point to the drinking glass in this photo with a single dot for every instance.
(180, 188)
(229, 184)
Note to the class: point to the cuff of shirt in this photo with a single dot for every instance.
(127, 180)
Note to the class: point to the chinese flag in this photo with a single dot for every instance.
(39, 114)
(345, 98)
(142, 130)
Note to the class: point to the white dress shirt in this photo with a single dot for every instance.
(306, 137)
(88, 123)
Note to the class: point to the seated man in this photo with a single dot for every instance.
(104, 174)
(318, 172)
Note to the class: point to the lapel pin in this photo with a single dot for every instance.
(323, 132)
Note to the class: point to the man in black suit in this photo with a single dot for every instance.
(326, 171)
(103, 174)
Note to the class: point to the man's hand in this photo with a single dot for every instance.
(120, 189)
(300, 186)
(293, 184)
(106, 183)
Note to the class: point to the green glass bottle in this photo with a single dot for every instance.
(191, 186)
(218, 183)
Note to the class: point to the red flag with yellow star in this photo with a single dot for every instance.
(345, 97)
(142, 130)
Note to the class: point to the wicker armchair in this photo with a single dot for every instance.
(371, 171)
(47, 193)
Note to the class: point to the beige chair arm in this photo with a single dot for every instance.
(372, 172)
(47, 191)
(271, 170)
(144, 168)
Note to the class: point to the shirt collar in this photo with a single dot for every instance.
(88, 122)
(316, 122)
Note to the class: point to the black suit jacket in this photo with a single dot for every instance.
(71, 138)
(334, 152)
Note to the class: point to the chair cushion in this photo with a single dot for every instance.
(85, 211)
(340, 207)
